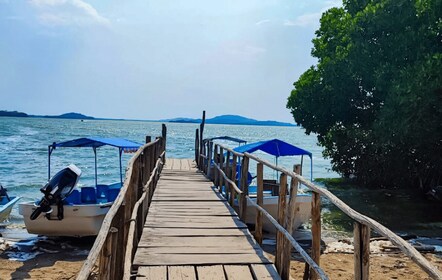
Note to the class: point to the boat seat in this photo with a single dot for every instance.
(101, 191)
(73, 198)
(112, 193)
(88, 195)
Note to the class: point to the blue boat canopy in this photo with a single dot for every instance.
(273, 147)
(95, 142)
(226, 138)
(277, 148)
(123, 145)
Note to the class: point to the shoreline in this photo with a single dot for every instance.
(62, 258)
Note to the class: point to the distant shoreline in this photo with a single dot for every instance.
(223, 119)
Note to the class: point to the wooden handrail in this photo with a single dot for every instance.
(292, 241)
(409, 250)
(107, 222)
(130, 240)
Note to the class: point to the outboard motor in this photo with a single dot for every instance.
(56, 190)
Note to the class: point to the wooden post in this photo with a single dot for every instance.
(201, 136)
(148, 139)
(209, 158)
(228, 173)
(215, 162)
(259, 201)
(233, 178)
(316, 232)
(361, 251)
(118, 261)
(148, 171)
(292, 201)
(291, 215)
(164, 135)
(197, 145)
(280, 262)
(221, 164)
(244, 188)
(105, 267)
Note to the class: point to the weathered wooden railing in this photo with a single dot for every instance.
(123, 224)
(214, 154)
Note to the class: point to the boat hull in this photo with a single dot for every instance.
(270, 204)
(79, 220)
(6, 207)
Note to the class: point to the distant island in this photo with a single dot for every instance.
(230, 119)
(72, 115)
(223, 119)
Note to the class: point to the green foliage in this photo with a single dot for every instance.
(375, 97)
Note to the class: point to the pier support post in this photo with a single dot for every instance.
(215, 162)
(361, 251)
(244, 189)
(259, 201)
(233, 178)
(197, 148)
(282, 264)
(227, 172)
(221, 165)
(107, 256)
(316, 232)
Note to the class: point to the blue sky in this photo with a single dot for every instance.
(155, 59)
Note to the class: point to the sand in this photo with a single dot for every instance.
(62, 259)
(336, 265)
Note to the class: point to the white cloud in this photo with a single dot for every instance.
(261, 22)
(312, 19)
(304, 20)
(68, 12)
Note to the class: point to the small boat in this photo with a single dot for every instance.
(276, 148)
(6, 203)
(65, 210)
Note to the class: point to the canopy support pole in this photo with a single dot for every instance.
(95, 153)
(49, 162)
(311, 168)
(121, 169)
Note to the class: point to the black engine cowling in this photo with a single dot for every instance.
(56, 190)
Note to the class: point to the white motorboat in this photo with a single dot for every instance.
(66, 210)
(303, 201)
(6, 204)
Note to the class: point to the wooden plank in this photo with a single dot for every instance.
(152, 273)
(195, 225)
(222, 220)
(202, 250)
(186, 199)
(228, 241)
(193, 212)
(194, 232)
(237, 272)
(143, 257)
(215, 272)
(267, 271)
(181, 273)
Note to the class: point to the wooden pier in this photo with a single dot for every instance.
(191, 232)
(170, 222)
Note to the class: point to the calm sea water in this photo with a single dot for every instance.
(24, 160)
(24, 149)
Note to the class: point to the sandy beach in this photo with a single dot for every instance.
(336, 265)
(62, 258)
